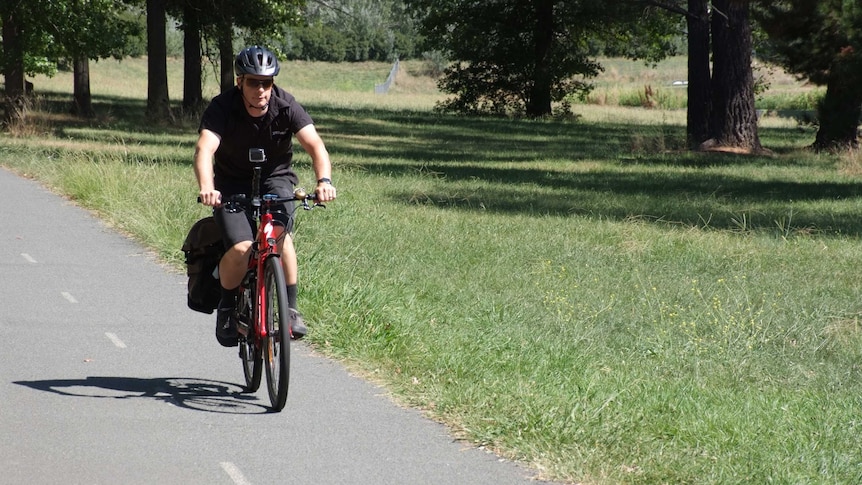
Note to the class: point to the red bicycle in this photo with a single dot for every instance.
(264, 320)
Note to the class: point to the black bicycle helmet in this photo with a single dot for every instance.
(256, 60)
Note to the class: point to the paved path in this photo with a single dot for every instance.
(106, 377)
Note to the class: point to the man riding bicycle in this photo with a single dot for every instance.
(254, 114)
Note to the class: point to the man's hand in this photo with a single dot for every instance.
(211, 198)
(325, 192)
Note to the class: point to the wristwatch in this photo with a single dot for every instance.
(324, 180)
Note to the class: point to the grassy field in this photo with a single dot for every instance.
(581, 296)
(634, 84)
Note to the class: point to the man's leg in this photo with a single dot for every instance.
(231, 269)
(291, 276)
(234, 264)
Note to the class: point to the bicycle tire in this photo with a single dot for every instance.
(249, 353)
(276, 348)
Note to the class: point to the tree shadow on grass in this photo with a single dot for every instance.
(691, 198)
(198, 394)
(626, 180)
(639, 181)
(702, 213)
(112, 113)
(429, 137)
(410, 136)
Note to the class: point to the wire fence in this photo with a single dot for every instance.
(384, 88)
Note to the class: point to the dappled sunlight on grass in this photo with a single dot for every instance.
(581, 294)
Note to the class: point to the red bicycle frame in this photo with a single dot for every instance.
(264, 247)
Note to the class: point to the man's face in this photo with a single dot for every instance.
(256, 89)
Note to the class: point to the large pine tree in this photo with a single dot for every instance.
(733, 119)
(821, 40)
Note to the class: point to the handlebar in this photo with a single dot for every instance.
(242, 202)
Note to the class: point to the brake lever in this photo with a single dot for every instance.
(308, 207)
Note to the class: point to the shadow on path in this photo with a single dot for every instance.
(198, 394)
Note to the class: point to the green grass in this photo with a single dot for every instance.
(635, 84)
(581, 296)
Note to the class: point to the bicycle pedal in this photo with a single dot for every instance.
(246, 352)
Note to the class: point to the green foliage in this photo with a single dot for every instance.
(352, 30)
(808, 37)
(93, 29)
(135, 45)
(54, 31)
(321, 43)
(517, 57)
(822, 41)
(652, 35)
(39, 65)
(263, 20)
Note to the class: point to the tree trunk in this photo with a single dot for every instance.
(840, 109)
(698, 110)
(82, 104)
(192, 96)
(226, 58)
(539, 97)
(158, 102)
(733, 122)
(13, 69)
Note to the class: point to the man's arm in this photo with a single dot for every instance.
(314, 146)
(205, 148)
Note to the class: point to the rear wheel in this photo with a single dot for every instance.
(249, 354)
(252, 365)
(276, 348)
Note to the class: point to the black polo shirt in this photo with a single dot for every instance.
(227, 117)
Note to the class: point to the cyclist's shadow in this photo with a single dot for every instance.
(184, 392)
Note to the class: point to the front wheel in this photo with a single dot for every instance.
(276, 346)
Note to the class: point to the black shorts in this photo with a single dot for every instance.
(239, 226)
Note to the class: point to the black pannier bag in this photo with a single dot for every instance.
(203, 248)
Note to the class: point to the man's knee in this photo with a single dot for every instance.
(237, 253)
(286, 241)
(240, 248)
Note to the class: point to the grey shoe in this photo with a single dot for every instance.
(297, 326)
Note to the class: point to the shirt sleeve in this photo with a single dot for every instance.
(215, 117)
(299, 118)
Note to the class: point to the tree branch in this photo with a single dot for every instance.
(719, 12)
(338, 9)
(669, 7)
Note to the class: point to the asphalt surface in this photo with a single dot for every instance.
(107, 377)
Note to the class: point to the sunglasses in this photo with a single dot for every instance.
(258, 83)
